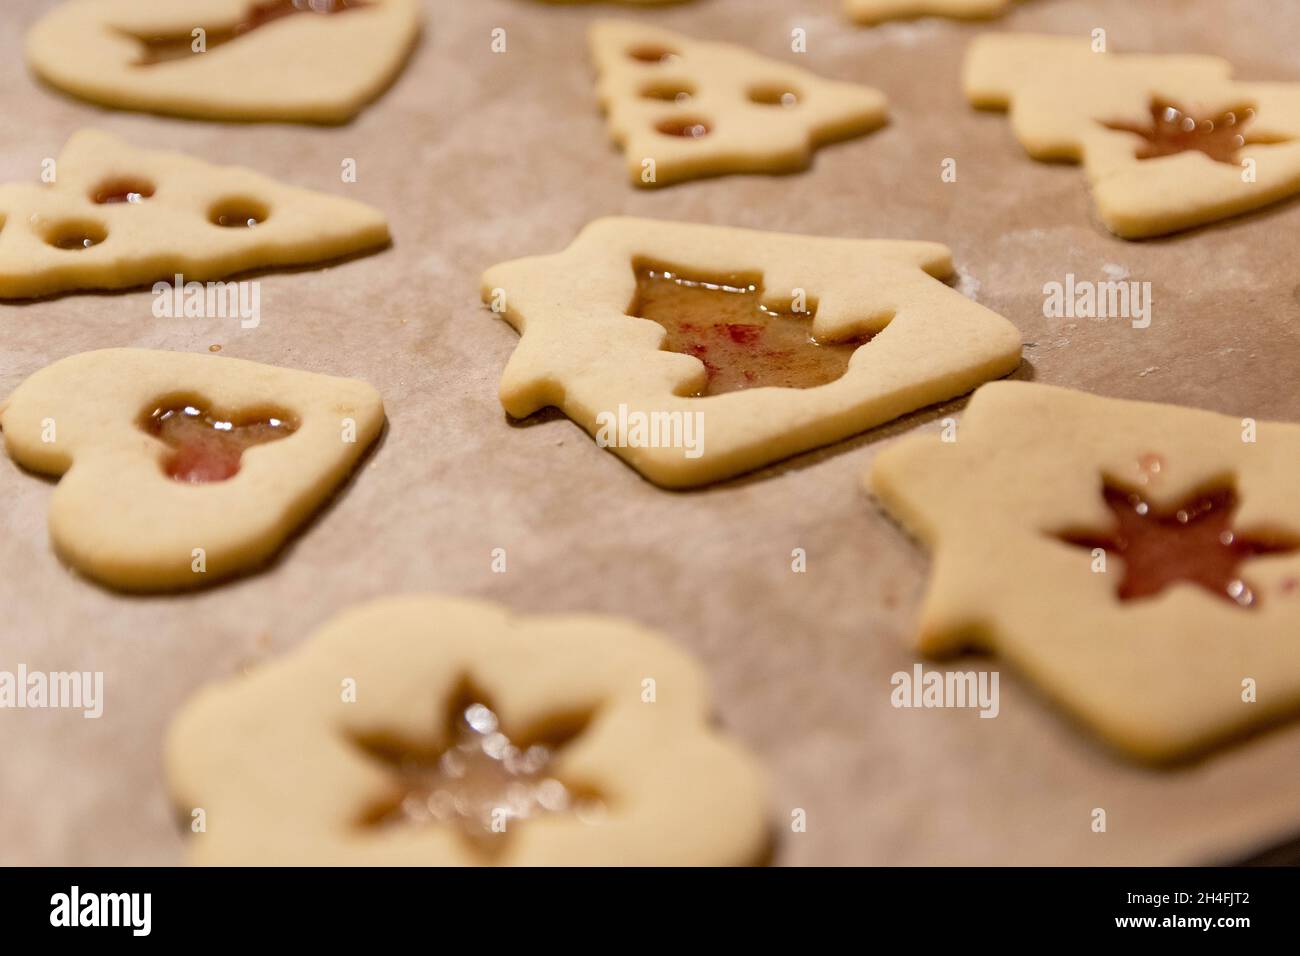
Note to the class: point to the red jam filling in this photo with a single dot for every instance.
(1192, 542)
(1175, 130)
(481, 784)
(206, 447)
(743, 344)
(161, 48)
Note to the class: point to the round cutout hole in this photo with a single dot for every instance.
(669, 94)
(774, 96)
(123, 190)
(75, 234)
(238, 213)
(652, 54)
(686, 127)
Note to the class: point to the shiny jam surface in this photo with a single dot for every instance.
(481, 784)
(160, 49)
(208, 448)
(1174, 129)
(741, 343)
(1193, 542)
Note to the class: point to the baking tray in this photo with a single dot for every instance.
(479, 157)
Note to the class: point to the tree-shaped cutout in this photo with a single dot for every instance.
(482, 782)
(1174, 129)
(207, 445)
(1193, 542)
(722, 321)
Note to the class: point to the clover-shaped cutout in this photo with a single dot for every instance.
(1188, 594)
(207, 445)
(179, 470)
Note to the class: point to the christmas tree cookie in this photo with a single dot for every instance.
(683, 108)
(116, 216)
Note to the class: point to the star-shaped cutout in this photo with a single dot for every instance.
(1192, 542)
(1174, 129)
(482, 781)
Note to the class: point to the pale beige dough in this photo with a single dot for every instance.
(744, 136)
(581, 352)
(170, 232)
(302, 68)
(118, 518)
(1059, 93)
(271, 759)
(1159, 677)
(875, 11)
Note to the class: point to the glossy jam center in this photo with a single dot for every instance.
(207, 448)
(161, 48)
(1193, 542)
(481, 784)
(1176, 130)
(741, 343)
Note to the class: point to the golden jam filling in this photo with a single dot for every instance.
(743, 344)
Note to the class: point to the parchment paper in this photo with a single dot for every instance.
(478, 157)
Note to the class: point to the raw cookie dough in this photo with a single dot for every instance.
(875, 11)
(1066, 102)
(580, 350)
(305, 67)
(300, 763)
(684, 108)
(118, 216)
(1160, 675)
(118, 517)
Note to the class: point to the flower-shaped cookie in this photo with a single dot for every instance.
(311, 61)
(875, 11)
(1140, 562)
(179, 470)
(117, 217)
(435, 731)
(684, 108)
(662, 339)
(1167, 142)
